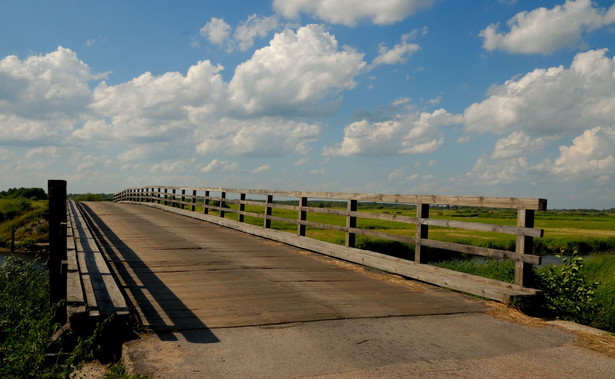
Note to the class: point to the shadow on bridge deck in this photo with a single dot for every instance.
(145, 290)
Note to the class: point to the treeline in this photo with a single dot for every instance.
(28, 193)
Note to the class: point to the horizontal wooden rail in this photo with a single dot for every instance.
(348, 220)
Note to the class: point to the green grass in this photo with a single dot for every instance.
(599, 267)
(26, 217)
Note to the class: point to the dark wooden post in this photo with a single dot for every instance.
(351, 222)
(165, 196)
(242, 207)
(57, 245)
(525, 245)
(222, 197)
(193, 202)
(267, 223)
(303, 202)
(206, 203)
(173, 198)
(422, 231)
(183, 199)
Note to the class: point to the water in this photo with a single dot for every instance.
(549, 260)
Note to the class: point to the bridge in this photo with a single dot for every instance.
(228, 291)
(200, 257)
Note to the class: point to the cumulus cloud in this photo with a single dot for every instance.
(252, 28)
(546, 30)
(590, 155)
(267, 136)
(43, 96)
(550, 102)
(169, 166)
(262, 168)
(220, 166)
(150, 107)
(397, 54)
(294, 73)
(515, 145)
(350, 12)
(217, 31)
(414, 133)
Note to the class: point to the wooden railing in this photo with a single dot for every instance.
(208, 201)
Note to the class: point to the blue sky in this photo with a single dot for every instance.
(489, 98)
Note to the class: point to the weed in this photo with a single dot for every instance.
(566, 292)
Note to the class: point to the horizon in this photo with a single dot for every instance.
(435, 97)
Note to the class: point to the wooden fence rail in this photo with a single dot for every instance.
(216, 201)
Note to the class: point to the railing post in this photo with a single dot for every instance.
(303, 202)
(524, 245)
(351, 222)
(206, 203)
(173, 199)
(222, 197)
(57, 245)
(183, 199)
(267, 222)
(242, 207)
(422, 231)
(165, 196)
(193, 202)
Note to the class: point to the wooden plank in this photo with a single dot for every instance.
(470, 201)
(483, 251)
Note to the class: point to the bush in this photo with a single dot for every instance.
(566, 294)
(25, 318)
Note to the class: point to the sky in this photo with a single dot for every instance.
(510, 98)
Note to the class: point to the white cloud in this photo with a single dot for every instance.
(500, 171)
(217, 31)
(45, 151)
(350, 12)
(546, 30)
(252, 28)
(591, 155)
(220, 166)
(516, 145)
(267, 136)
(552, 102)
(302, 161)
(134, 155)
(406, 134)
(169, 167)
(294, 73)
(397, 54)
(151, 107)
(262, 168)
(395, 174)
(42, 97)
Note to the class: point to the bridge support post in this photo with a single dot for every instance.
(222, 203)
(193, 201)
(267, 222)
(242, 207)
(422, 231)
(303, 202)
(206, 203)
(56, 190)
(351, 222)
(524, 245)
